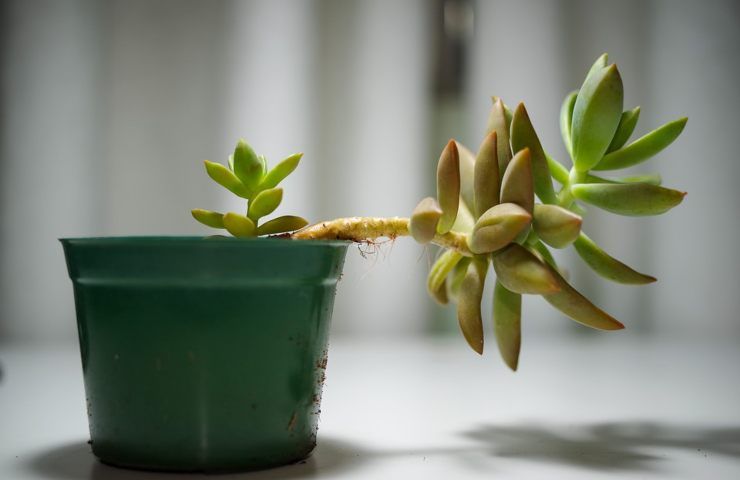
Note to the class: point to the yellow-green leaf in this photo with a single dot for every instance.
(558, 171)
(627, 124)
(517, 185)
(239, 225)
(424, 219)
(440, 269)
(248, 167)
(634, 199)
(644, 147)
(500, 122)
(498, 227)
(556, 226)
(486, 175)
(507, 313)
(566, 117)
(467, 168)
(224, 177)
(607, 266)
(278, 173)
(448, 186)
(456, 277)
(524, 136)
(265, 203)
(285, 223)
(596, 115)
(208, 218)
(469, 304)
(569, 301)
(522, 272)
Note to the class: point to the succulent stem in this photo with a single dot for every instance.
(360, 229)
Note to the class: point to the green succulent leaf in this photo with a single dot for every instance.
(599, 64)
(448, 186)
(522, 272)
(248, 167)
(279, 172)
(231, 162)
(239, 225)
(424, 219)
(650, 178)
(517, 186)
(606, 266)
(558, 171)
(440, 269)
(469, 304)
(507, 314)
(634, 199)
(498, 227)
(556, 226)
(644, 147)
(486, 175)
(570, 302)
(285, 223)
(596, 115)
(265, 203)
(224, 177)
(208, 218)
(499, 121)
(524, 136)
(440, 295)
(456, 277)
(627, 124)
(566, 118)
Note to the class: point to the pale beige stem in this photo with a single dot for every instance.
(361, 229)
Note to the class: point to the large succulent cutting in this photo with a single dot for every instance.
(490, 198)
(486, 214)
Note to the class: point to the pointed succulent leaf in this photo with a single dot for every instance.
(523, 136)
(440, 295)
(498, 227)
(633, 199)
(239, 225)
(456, 277)
(440, 269)
(231, 162)
(650, 178)
(467, 168)
(469, 304)
(627, 124)
(248, 167)
(424, 219)
(279, 172)
(208, 218)
(448, 186)
(285, 223)
(500, 122)
(644, 147)
(517, 186)
(225, 178)
(556, 226)
(464, 222)
(557, 170)
(596, 115)
(570, 302)
(486, 176)
(507, 314)
(522, 272)
(599, 64)
(566, 118)
(606, 266)
(265, 203)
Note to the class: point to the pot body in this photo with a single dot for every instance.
(203, 354)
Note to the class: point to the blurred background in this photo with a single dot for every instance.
(109, 108)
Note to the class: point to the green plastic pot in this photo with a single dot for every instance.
(203, 354)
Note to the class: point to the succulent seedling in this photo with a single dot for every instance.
(248, 177)
(485, 212)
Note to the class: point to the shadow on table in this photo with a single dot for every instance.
(619, 446)
(76, 461)
(608, 446)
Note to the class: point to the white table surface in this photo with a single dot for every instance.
(588, 408)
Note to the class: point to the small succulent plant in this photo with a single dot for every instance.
(485, 213)
(247, 176)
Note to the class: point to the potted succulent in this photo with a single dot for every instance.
(208, 353)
